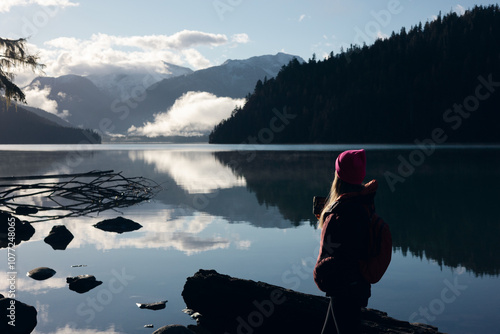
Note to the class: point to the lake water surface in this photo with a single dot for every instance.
(245, 211)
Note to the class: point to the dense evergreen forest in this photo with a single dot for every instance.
(19, 126)
(443, 75)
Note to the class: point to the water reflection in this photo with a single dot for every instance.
(445, 209)
(185, 235)
(195, 174)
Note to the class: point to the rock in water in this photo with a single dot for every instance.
(16, 317)
(23, 230)
(41, 273)
(173, 329)
(59, 237)
(26, 210)
(153, 306)
(82, 283)
(118, 225)
(235, 305)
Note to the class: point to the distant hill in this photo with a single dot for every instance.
(47, 115)
(439, 81)
(19, 126)
(86, 103)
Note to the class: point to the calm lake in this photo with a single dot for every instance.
(245, 211)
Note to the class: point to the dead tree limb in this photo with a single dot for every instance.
(78, 195)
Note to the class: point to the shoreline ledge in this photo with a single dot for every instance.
(230, 305)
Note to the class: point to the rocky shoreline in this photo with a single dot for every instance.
(226, 304)
(222, 304)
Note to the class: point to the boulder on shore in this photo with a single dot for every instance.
(234, 305)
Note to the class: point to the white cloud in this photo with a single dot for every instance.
(459, 9)
(179, 41)
(191, 174)
(7, 5)
(39, 98)
(381, 35)
(105, 54)
(302, 17)
(240, 38)
(194, 113)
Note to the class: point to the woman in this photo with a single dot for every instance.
(344, 242)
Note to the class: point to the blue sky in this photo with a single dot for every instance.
(85, 36)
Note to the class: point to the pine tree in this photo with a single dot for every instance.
(13, 54)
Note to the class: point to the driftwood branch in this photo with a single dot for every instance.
(78, 195)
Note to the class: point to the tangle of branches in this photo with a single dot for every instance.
(49, 197)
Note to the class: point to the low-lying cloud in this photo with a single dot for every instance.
(39, 98)
(193, 114)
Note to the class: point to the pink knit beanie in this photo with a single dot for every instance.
(351, 166)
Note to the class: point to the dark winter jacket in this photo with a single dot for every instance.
(344, 242)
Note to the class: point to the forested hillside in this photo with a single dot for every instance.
(19, 126)
(441, 77)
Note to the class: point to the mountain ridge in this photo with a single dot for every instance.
(98, 108)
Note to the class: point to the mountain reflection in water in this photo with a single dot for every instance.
(445, 209)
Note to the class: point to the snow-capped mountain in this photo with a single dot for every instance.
(122, 85)
(115, 102)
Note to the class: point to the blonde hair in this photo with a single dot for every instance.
(337, 189)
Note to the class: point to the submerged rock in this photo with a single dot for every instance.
(231, 304)
(41, 273)
(118, 225)
(59, 237)
(173, 329)
(16, 317)
(153, 306)
(26, 210)
(82, 283)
